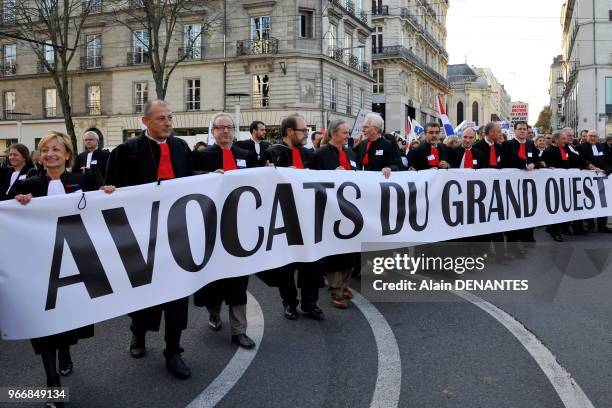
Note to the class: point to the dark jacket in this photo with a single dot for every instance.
(249, 145)
(137, 160)
(510, 158)
(5, 178)
(99, 160)
(485, 151)
(211, 159)
(381, 154)
(601, 160)
(456, 155)
(281, 155)
(552, 158)
(418, 157)
(328, 158)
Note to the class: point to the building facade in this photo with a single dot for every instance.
(476, 96)
(264, 59)
(555, 90)
(587, 66)
(409, 59)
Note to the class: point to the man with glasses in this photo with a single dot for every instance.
(430, 154)
(222, 157)
(256, 144)
(291, 153)
(375, 152)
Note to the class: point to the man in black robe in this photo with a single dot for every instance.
(93, 159)
(465, 156)
(430, 154)
(256, 144)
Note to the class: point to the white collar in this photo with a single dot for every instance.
(487, 141)
(255, 141)
(155, 140)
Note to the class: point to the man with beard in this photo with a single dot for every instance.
(155, 155)
(222, 157)
(256, 144)
(430, 154)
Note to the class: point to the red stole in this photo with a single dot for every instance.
(365, 160)
(229, 162)
(165, 171)
(297, 158)
(344, 160)
(522, 153)
(468, 161)
(563, 153)
(492, 156)
(435, 162)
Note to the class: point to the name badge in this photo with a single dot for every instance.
(475, 161)
(498, 159)
(379, 153)
(431, 157)
(94, 162)
(353, 164)
(599, 154)
(529, 154)
(22, 177)
(241, 163)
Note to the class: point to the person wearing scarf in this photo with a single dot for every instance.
(430, 154)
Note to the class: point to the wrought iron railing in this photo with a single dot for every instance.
(256, 47)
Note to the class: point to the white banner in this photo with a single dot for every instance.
(62, 268)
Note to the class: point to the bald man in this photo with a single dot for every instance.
(93, 159)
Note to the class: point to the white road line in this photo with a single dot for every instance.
(238, 365)
(566, 387)
(389, 378)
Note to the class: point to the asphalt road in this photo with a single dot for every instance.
(453, 354)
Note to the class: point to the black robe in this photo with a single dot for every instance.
(602, 160)
(456, 155)
(99, 160)
(380, 155)
(418, 157)
(510, 158)
(485, 151)
(5, 179)
(249, 145)
(211, 159)
(37, 186)
(552, 158)
(328, 158)
(281, 155)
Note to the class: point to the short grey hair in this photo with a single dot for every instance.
(91, 133)
(222, 114)
(557, 133)
(153, 102)
(376, 120)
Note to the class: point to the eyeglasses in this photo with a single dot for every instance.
(226, 128)
(431, 132)
(305, 130)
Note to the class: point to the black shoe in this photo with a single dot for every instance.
(214, 323)
(558, 238)
(314, 312)
(66, 369)
(177, 367)
(291, 313)
(605, 230)
(65, 362)
(244, 341)
(137, 347)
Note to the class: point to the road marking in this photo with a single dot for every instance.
(389, 378)
(566, 387)
(239, 363)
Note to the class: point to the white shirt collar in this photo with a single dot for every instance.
(155, 140)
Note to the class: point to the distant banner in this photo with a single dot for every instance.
(63, 268)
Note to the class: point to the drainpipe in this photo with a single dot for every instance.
(224, 56)
(596, 78)
(323, 124)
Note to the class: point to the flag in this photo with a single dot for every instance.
(417, 128)
(410, 132)
(459, 129)
(448, 128)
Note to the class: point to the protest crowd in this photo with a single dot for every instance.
(157, 155)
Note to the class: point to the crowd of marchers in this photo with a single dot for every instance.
(156, 155)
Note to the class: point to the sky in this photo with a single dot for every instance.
(516, 39)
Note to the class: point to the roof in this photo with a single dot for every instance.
(461, 73)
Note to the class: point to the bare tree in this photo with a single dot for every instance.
(157, 35)
(52, 30)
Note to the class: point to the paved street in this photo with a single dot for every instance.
(453, 354)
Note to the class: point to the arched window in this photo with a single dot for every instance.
(460, 114)
(475, 112)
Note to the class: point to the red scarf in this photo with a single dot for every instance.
(492, 156)
(297, 158)
(344, 160)
(468, 162)
(522, 154)
(435, 162)
(229, 162)
(165, 171)
(563, 153)
(365, 160)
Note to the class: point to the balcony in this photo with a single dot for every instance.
(92, 6)
(9, 115)
(9, 69)
(139, 57)
(350, 7)
(257, 47)
(397, 51)
(91, 62)
(405, 13)
(380, 11)
(190, 53)
(41, 68)
(363, 17)
(50, 112)
(353, 61)
(365, 68)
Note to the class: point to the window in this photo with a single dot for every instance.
(349, 99)
(8, 12)
(608, 94)
(260, 34)
(49, 52)
(192, 41)
(305, 24)
(379, 81)
(140, 47)
(459, 112)
(10, 59)
(92, 6)
(333, 98)
(141, 94)
(377, 40)
(93, 51)
(192, 94)
(361, 53)
(361, 98)
(348, 47)
(9, 105)
(50, 103)
(475, 112)
(377, 6)
(261, 91)
(94, 100)
(332, 40)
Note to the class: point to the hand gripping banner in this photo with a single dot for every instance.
(63, 268)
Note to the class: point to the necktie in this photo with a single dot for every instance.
(229, 163)
(165, 171)
(435, 161)
(522, 154)
(468, 162)
(297, 158)
(365, 160)
(563, 153)
(343, 160)
(492, 156)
